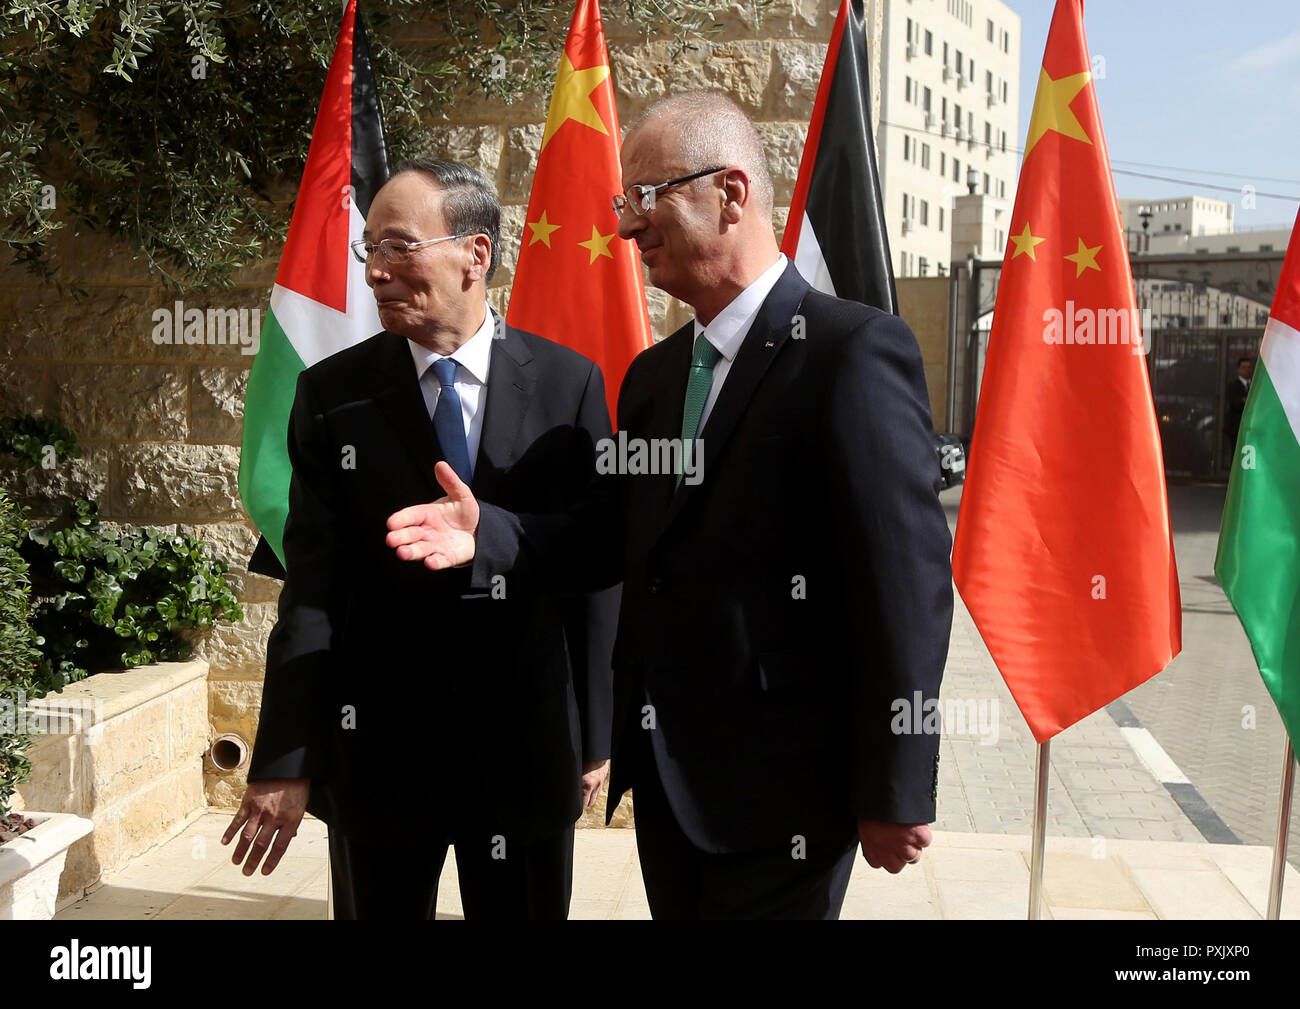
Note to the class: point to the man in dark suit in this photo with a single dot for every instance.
(413, 709)
(1234, 404)
(782, 613)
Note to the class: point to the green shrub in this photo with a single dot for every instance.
(30, 437)
(110, 600)
(19, 657)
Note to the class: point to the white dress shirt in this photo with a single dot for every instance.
(472, 360)
(730, 327)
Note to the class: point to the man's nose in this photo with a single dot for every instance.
(630, 222)
(376, 269)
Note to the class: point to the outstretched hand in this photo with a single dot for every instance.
(441, 533)
(891, 846)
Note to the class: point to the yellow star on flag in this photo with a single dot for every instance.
(571, 98)
(598, 244)
(541, 231)
(1084, 259)
(1052, 108)
(1026, 242)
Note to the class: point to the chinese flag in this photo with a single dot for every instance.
(576, 283)
(1064, 553)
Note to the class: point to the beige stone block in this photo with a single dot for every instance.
(968, 899)
(132, 751)
(512, 226)
(796, 73)
(780, 215)
(108, 324)
(58, 782)
(783, 143)
(22, 389)
(972, 864)
(234, 706)
(1189, 895)
(237, 651)
(122, 402)
(45, 491)
(1078, 881)
(1097, 914)
(148, 815)
(94, 260)
(26, 329)
(643, 74)
(519, 162)
(169, 482)
(217, 403)
(469, 105)
(187, 716)
(477, 146)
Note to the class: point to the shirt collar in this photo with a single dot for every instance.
(474, 355)
(728, 329)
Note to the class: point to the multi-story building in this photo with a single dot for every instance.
(950, 88)
(1165, 225)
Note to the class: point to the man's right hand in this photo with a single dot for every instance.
(273, 807)
(442, 533)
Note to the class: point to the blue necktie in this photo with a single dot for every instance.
(448, 422)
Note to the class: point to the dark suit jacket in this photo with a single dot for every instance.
(449, 696)
(1234, 405)
(773, 614)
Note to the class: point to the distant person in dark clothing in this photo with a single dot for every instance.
(1234, 403)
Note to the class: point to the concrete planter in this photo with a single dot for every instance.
(31, 864)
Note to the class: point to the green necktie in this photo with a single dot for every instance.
(703, 359)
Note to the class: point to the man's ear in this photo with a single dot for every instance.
(481, 252)
(736, 193)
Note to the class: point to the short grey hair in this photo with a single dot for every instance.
(469, 206)
(714, 131)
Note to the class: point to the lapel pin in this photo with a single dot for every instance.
(769, 343)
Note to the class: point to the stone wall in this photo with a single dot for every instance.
(125, 750)
(161, 423)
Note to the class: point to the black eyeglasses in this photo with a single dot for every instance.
(642, 198)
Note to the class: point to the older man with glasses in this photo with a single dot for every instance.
(415, 709)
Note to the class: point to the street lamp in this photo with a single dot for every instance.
(972, 180)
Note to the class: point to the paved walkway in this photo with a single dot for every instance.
(960, 876)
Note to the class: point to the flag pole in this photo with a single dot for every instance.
(1040, 834)
(329, 884)
(1279, 842)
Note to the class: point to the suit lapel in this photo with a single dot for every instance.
(766, 336)
(510, 388)
(398, 396)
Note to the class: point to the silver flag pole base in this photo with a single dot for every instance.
(1040, 834)
(1279, 842)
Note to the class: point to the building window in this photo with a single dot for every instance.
(909, 30)
(956, 169)
(1002, 189)
(990, 29)
(988, 134)
(923, 267)
(961, 64)
(925, 213)
(925, 155)
(929, 43)
(1002, 141)
(944, 107)
(945, 54)
(907, 147)
(941, 269)
(1004, 92)
(925, 99)
(971, 66)
(988, 82)
(998, 241)
(986, 183)
(943, 163)
(907, 89)
(941, 218)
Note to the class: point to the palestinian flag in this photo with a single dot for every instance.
(835, 234)
(1258, 563)
(320, 303)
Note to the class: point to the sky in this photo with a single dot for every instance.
(1195, 87)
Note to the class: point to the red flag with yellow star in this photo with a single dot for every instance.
(1064, 552)
(574, 283)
